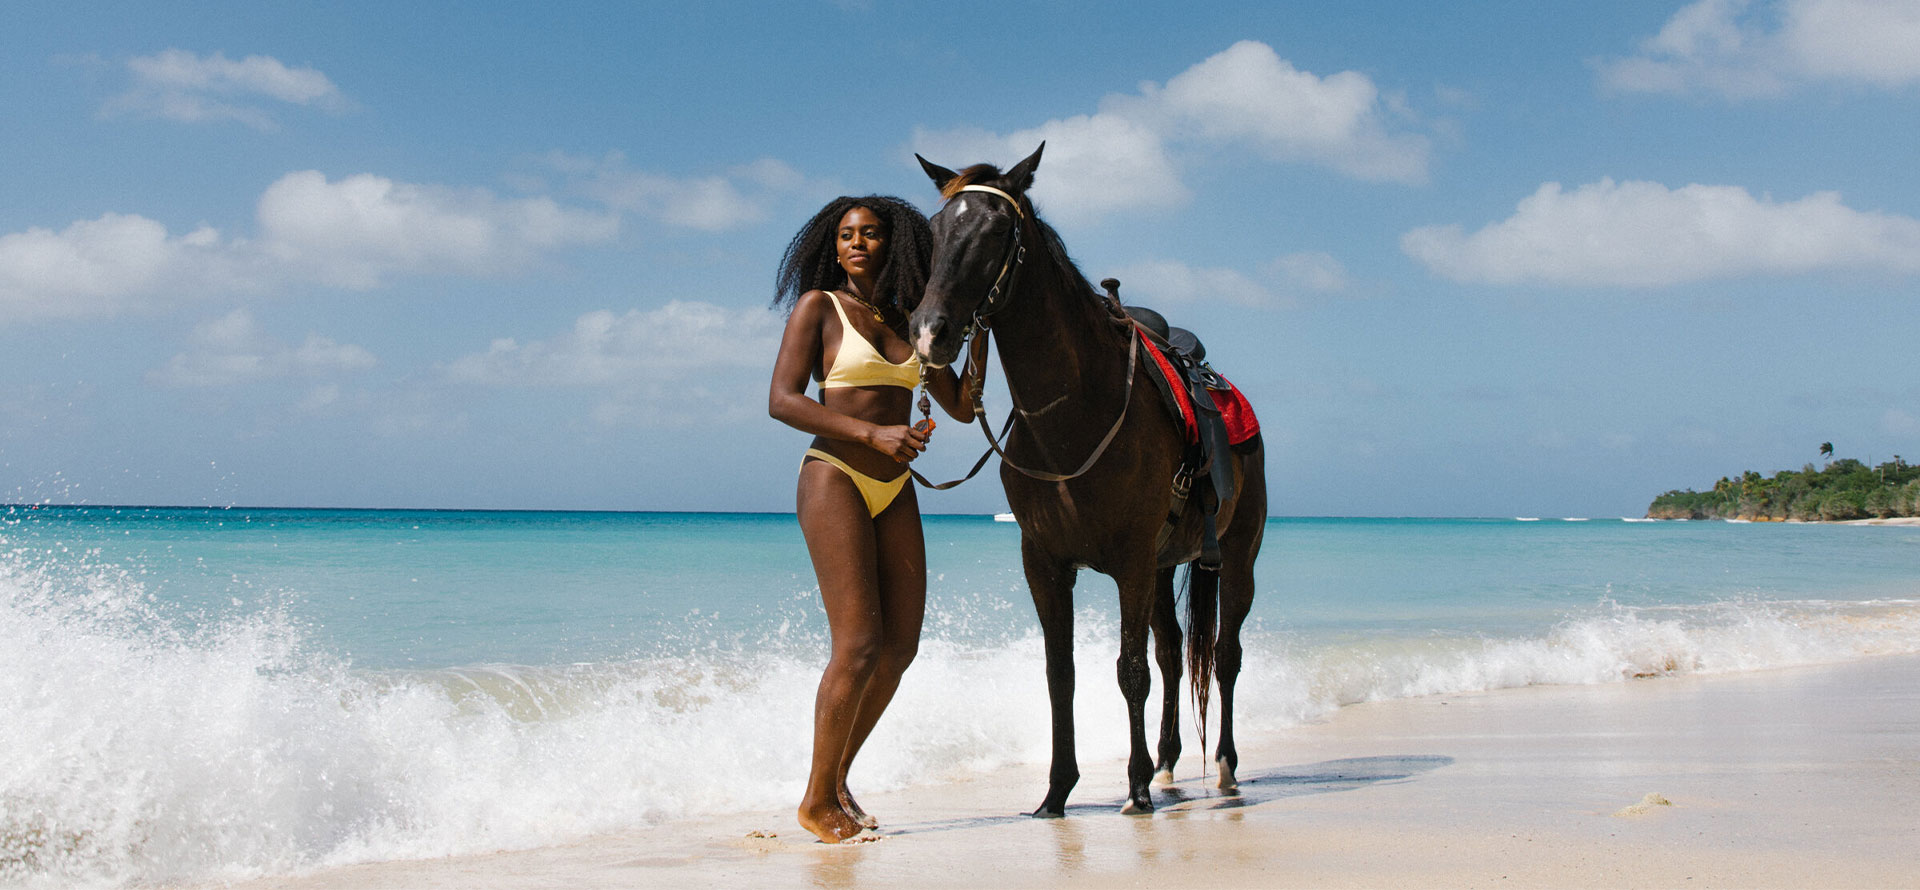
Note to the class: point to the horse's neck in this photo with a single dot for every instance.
(1063, 363)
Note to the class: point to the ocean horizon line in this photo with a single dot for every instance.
(23, 505)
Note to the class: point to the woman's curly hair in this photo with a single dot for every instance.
(811, 263)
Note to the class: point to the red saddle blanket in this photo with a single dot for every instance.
(1234, 407)
(1237, 412)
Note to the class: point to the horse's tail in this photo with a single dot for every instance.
(1203, 620)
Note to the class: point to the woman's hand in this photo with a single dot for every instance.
(902, 443)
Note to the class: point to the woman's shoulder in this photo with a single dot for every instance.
(811, 308)
(814, 302)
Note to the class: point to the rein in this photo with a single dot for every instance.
(997, 298)
(1133, 357)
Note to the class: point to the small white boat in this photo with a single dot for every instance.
(1526, 519)
(1003, 517)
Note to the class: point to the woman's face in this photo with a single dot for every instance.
(861, 243)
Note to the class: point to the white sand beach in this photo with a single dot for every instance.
(1787, 778)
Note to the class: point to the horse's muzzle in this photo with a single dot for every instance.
(935, 339)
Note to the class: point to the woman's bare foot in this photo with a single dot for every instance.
(828, 823)
(853, 809)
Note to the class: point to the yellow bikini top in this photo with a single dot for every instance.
(859, 364)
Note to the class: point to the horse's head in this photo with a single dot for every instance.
(977, 241)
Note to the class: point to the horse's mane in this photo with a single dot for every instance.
(974, 175)
(1060, 265)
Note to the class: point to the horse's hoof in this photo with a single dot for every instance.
(1049, 810)
(1227, 781)
(1136, 808)
(1163, 777)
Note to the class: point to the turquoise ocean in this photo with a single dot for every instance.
(201, 694)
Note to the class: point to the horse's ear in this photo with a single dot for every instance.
(940, 175)
(1021, 176)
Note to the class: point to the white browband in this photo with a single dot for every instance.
(994, 191)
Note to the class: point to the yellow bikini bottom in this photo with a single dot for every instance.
(878, 494)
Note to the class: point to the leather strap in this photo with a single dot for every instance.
(994, 191)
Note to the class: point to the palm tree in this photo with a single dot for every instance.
(1826, 449)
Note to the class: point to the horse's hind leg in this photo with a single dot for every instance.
(1236, 600)
(1242, 547)
(1166, 651)
(1051, 583)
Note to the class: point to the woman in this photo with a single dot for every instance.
(848, 279)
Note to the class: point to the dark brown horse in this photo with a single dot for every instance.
(1067, 357)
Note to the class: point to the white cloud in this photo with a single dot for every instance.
(111, 264)
(355, 232)
(181, 86)
(1278, 283)
(233, 349)
(1094, 164)
(1249, 94)
(1120, 157)
(738, 197)
(1158, 281)
(681, 363)
(1877, 41)
(1740, 49)
(1643, 234)
(681, 339)
(1313, 271)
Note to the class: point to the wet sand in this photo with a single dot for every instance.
(1788, 778)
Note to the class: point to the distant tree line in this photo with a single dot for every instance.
(1843, 489)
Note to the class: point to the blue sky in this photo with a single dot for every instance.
(1485, 259)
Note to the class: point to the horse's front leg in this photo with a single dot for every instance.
(1166, 651)
(1136, 682)
(1051, 583)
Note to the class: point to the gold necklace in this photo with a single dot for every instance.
(870, 307)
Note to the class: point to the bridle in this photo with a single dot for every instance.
(1010, 262)
(997, 298)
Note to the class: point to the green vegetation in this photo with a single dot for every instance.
(1844, 489)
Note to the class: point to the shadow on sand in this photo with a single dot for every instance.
(1325, 777)
(1197, 795)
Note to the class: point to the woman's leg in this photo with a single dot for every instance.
(902, 557)
(841, 541)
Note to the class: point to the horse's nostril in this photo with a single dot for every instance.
(930, 331)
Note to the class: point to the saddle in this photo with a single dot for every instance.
(1212, 411)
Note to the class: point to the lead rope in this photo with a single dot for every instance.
(979, 411)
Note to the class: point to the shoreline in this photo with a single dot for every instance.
(1889, 520)
(1779, 778)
